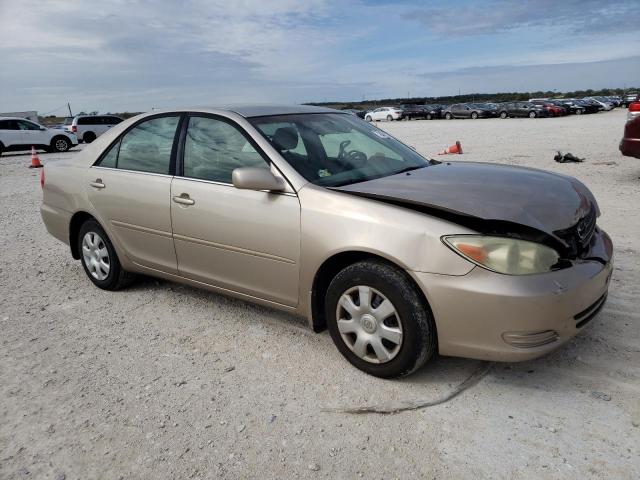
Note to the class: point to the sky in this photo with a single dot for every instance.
(129, 55)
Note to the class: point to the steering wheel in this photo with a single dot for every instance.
(355, 158)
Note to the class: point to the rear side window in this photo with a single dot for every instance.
(214, 148)
(110, 160)
(147, 147)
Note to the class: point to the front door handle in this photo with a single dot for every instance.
(184, 199)
(97, 183)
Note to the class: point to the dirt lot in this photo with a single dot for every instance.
(166, 381)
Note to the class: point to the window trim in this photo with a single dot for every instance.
(118, 139)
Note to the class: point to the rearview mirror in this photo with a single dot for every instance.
(252, 178)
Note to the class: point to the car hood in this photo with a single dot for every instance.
(488, 197)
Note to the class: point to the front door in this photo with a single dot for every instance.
(32, 134)
(240, 240)
(130, 189)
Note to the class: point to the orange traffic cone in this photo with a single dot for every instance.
(457, 148)
(35, 161)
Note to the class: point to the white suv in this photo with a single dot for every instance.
(20, 134)
(90, 127)
(384, 113)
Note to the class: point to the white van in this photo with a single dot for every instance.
(89, 127)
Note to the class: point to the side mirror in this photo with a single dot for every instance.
(252, 178)
(42, 129)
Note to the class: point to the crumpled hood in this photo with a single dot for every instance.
(537, 199)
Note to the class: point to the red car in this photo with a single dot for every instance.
(630, 143)
(552, 110)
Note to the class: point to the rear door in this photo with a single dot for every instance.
(240, 240)
(10, 134)
(130, 190)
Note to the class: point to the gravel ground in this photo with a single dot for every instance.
(166, 381)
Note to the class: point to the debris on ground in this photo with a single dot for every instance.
(477, 375)
(601, 396)
(567, 158)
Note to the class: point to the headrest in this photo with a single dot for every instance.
(285, 138)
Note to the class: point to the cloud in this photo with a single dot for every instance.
(497, 16)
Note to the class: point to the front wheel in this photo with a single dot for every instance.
(368, 118)
(379, 321)
(60, 144)
(503, 115)
(429, 117)
(448, 116)
(532, 115)
(99, 258)
(389, 118)
(474, 115)
(579, 112)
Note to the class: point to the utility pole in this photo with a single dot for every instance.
(69, 107)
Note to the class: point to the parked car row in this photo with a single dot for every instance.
(534, 108)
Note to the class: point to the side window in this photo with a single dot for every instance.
(147, 147)
(83, 121)
(5, 125)
(214, 148)
(110, 160)
(27, 125)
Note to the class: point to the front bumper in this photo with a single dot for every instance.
(496, 317)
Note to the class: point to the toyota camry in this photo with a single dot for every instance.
(318, 213)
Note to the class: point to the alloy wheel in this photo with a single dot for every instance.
(369, 324)
(61, 145)
(96, 255)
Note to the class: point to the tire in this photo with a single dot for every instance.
(389, 118)
(1, 148)
(368, 118)
(88, 137)
(109, 277)
(409, 322)
(532, 115)
(474, 115)
(579, 112)
(504, 115)
(60, 144)
(448, 116)
(429, 117)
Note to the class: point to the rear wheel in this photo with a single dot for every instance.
(378, 320)
(60, 144)
(89, 137)
(503, 115)
(368, 118)
(1, 149)
(389, 118)
(532, 115)
(99, 258)
(448, 116)
(579, 111)
(474, 115)
(429, 116)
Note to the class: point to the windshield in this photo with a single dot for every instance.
(332, 149)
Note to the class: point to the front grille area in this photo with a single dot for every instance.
(588, 313)
(578, 237)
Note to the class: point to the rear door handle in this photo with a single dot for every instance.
(97, 183)
(184, 199)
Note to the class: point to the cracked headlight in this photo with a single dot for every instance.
(504, 255)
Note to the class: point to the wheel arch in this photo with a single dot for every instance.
(76, 222)
(332, 266)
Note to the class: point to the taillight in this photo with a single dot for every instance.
(634, 107)
(74, 129)
(42, 178)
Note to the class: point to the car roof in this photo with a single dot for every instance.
(249, 111)
(16, 118)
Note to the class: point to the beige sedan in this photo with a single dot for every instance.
(319, 213)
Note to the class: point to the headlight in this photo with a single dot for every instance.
(504, 255)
